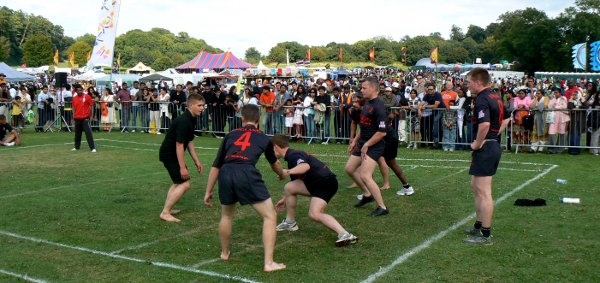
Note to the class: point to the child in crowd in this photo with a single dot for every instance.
(288, 111)
(414, 121)
(17, 112)
(298, 118)
(449, 120)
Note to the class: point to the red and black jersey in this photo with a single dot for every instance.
(489, 108)
(244, 146)
(373, 118)
(318, 170)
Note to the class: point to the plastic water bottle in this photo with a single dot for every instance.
(562, 181)
(569, 200)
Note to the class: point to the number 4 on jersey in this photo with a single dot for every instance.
(243, 141)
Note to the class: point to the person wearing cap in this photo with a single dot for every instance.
(3, 78)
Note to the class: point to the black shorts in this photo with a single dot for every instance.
(391, 148)
(323, 189)
(241, 183)
(485, 161)
(374, 151)
(174, 171)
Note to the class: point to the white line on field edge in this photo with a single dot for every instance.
(71, 185)
(442, 234)
(155, 144)
(192, 231)
(156, 263)
(22, 276)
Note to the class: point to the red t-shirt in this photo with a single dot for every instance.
(81, 105)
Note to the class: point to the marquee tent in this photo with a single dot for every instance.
(13, 75)
(155, 77)
(140, 68)
(205, 60)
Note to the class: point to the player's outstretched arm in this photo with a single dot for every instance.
(212, 179)
(192, 152)
(276, 167)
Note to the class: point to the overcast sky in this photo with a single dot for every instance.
(240, 24)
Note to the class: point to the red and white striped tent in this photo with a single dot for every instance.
(205, 60)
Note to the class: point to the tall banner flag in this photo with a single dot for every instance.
(88, 56)
(307, 61)
(102, 54)
(72, 59)
(372, 54)
(595, 56)
(287, 57)
(434, 55)
(119, 62)
(56, 57)
(579, 54)
(340, 55)
(403, 54)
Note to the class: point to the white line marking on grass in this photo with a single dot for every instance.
(246, 250)
(156, 263)
(442, 160)
(156, 241)
(442, 234)
(22, 276)
(33, 146)
(144, 143)
(68, 186)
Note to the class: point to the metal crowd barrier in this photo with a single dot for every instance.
(556, 130)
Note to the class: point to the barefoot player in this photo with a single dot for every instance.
(240, 181)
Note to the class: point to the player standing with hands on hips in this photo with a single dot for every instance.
(81, 105)
(172, 154)
(240, 181)
(490, 118)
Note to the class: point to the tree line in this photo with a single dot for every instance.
(527, 37)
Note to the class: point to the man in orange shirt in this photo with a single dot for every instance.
(449, 94)
(267, 100)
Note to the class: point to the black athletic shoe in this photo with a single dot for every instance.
(364, 201)
(379, 211)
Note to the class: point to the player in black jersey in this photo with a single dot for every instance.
(388, 159)
(239, 180)
(311, 178)
(180, 137)
(369, 147)
(490, 118)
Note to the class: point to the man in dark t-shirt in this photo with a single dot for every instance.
(13, 138)
(490, 118)
(179, 138)
(434, 101)
(310, 177)
(240, 181)
(368, 147)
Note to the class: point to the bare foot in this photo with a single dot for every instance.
(175, 211)
(274, 266)
(354, 185)
(225, 257)
(168, 217)
(385, 187)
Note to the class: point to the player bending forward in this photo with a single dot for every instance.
(311, 178)
(239, 180)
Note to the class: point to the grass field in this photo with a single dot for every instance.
(80, 217)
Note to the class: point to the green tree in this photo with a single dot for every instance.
(277, 54)
(178, 59)
(38, 50)
(88, 38)
(143, 55)
(456, 33)
(163, 63)
(361, 48)
(252, 55)
(317, 54)
(472, 47)
(3, 54)
(477, 33)
(80, 50)
(384, 58)
(417, 48)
